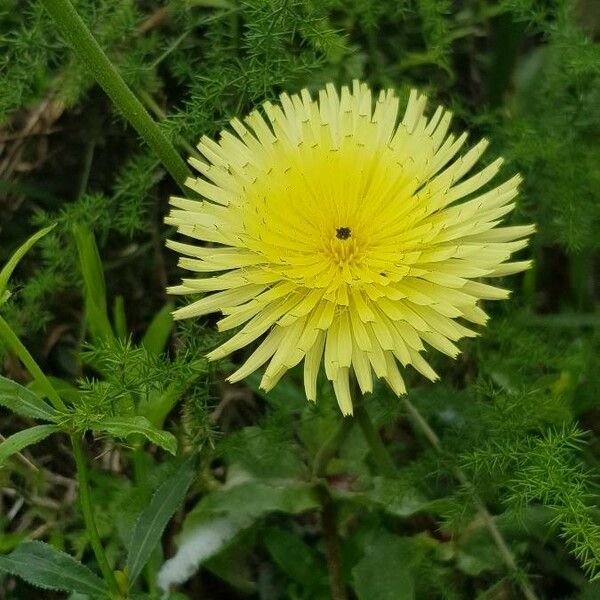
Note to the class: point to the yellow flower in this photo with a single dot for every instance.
(335, 232)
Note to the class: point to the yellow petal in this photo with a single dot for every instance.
(341, 386)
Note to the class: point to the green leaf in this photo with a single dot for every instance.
(119, 318)
(152, 521)
(94, 286)
(295, 558)
(199, 542)
(478, 554)
(44, 566)
(397, 498)
(14, 260)
(16, 442)
(234, 563)
(156, 408)
(23, 401)
(220, 516)
(123, 427)
(385, 572)
(159, 330)
(254, 498)
(264, 455)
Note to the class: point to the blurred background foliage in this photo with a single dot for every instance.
(517, 413)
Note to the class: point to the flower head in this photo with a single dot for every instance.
(335, 234)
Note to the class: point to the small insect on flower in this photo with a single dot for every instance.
(334, 234)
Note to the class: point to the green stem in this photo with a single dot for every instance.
(14, 343)
(91, 54)
(381, 456)
(332, 547)
(88, 518)
(328, 521)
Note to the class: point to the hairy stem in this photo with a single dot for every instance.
(485, 515)
(87, 49)
(88, 517)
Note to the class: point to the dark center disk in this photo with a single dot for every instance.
(343, 233)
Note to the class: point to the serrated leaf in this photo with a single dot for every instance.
(14, 260)
(123, 427)
(23, 401)
(152, 521)
(16, 442)
(44, 566)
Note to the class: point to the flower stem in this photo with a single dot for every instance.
(328, 524)
(484, 514)
(381, 456)
(88, 518)
(87, 49)
(332, 547)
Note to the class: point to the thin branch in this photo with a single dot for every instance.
(485, 515)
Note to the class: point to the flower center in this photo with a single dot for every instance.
(343, 233)
(344, 248)
(344, 252)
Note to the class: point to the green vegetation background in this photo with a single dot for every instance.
(518, 412)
